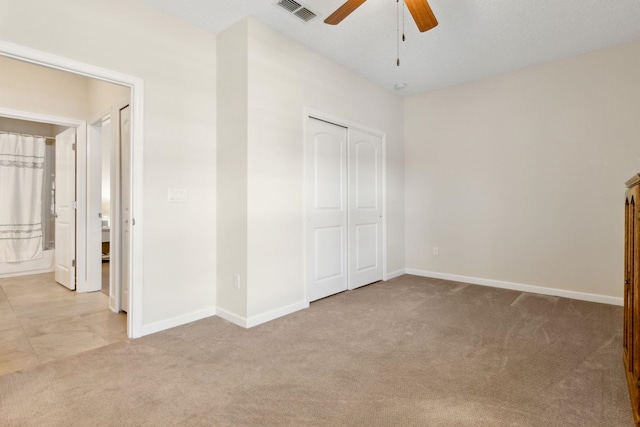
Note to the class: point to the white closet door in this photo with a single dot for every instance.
(95, 137)
(125, 204)
(65, 217)
(326, 180)
(365, 208)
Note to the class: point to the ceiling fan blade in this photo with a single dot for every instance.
(422, 14)
(343, 11)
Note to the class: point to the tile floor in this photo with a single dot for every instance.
(41, 321)
(105, 278)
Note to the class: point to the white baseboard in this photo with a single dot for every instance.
(394, 274)
(261, 318)
(604, 299)
(231, 317)
(274, 314)
(162, 325)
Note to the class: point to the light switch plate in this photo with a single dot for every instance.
(177, 195)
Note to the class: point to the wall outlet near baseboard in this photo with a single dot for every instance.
(436, 251)
(236, 281)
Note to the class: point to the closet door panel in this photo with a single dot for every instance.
(328, 248)
(326, 178)
(328, 168)
(365, 208)
(365, 163)
(366, 245)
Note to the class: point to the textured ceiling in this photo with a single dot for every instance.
(474, 39)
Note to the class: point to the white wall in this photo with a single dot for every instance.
(232, 171)
(177, 63)
(284, 78)
(266, 81)
(520, 177)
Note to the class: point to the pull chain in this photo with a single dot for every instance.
(403, 7)
(398, 21)
(398, 32)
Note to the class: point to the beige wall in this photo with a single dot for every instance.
(41, 90)
(102, 95)
(516, 178)
(24, 126)
(282, 78)
(178, 66)
(520, 177)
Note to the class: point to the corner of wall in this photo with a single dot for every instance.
(231, 173)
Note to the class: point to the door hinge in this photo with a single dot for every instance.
(73, 263)
(74, 205)
(73, 146)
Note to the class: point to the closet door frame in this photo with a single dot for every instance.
(308, 115)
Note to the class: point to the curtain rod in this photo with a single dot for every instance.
(26, 134)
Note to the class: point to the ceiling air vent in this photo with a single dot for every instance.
(297, 9)
(305, 14)
(290, 5)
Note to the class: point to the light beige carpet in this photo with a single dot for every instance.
(407, 352)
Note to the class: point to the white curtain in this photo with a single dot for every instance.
(21, 176)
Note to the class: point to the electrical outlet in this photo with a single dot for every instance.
(236, 281)
(436, 251)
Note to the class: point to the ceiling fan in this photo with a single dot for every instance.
(420, 10)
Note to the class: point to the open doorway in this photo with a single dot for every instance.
(108, 194)
(28, 245)
(74, 174)
(84, 212)
(44, 317)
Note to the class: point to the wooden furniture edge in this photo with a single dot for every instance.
(635, 180)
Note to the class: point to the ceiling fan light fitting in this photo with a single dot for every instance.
(399, 86)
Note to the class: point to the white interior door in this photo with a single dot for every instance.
(125, 204)
(95, 139)
(326, 179)
(115, 219)
(364, 208)
(65, 213)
